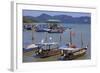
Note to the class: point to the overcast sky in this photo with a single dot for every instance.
(52, 13)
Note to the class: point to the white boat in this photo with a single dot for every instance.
(46, 50)
(71, 53)
(30, 47)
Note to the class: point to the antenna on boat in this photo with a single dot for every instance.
(46, 37)
(60, 38)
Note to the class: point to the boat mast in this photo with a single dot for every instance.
(81, 40)
(46, 37)
(32, 34)
(60, 38)
(70, 35)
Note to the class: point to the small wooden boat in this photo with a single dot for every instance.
(47, 52)
(57, 30)
(28, 27)
(55, 26)
(72, 53)
(42, 29)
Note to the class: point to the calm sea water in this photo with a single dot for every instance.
(77, 29)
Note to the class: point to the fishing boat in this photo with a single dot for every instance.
(32, 46)
(45, 49)
(70, 51)
(28, 26)
(51, 26)
(42, 28)
(55, 26)
(47, 52)
(56, 30)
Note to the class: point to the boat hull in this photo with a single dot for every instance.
(48, 53)
(73, 55)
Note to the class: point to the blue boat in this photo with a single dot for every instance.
(42, 28)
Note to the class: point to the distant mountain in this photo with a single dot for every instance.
(43, 17)
(62, 18)
(85, 19)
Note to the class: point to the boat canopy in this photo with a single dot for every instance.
(31, 46)
(68, 48)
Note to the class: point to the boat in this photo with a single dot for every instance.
(30, 47)
(56, 30)
(47, 52)
(70, 51)
(28, 27)
(44, 52)
(51, 26)
(55, 26)
(42, 28)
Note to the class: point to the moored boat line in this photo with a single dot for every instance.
(51, 26)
